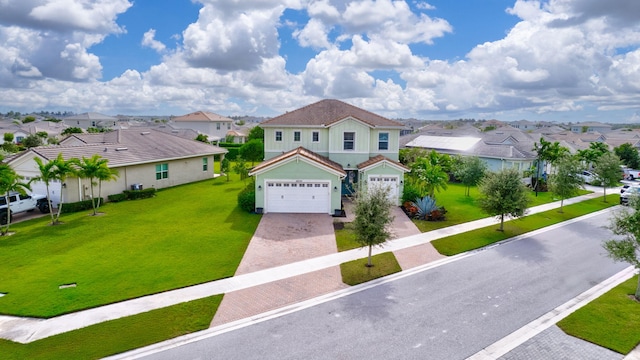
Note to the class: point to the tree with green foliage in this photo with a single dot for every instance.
(10, 182)
(607, 168)
(628, 155)
(31, 141)
(547, 153)
(626, 248)
(428, 175)
(28, 119)
(593, 153)
(565, 183)
(240, 168)
(62, 170)
(256, 132)
(8, 137)
(47, 175)
(42, 134)
(71, 130)
(503, 193)
(372, 218)
(253, 150)
(408, 156)
(225, 167)
(470, 171)
(202, 138)
(95, 168)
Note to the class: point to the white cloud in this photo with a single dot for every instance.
(148, 40)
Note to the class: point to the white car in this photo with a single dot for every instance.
(588, 177)
(631, 191)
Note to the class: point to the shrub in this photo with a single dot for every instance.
(79, 206)
(410, 192)
(140, 194)
(117, 197)
(425, 206)
(247, 198)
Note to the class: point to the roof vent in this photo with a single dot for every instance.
(145, 133)
(122, 149)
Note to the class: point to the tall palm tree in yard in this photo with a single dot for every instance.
(10, 182)
(47, 176)
(95, 168)
(63, 169)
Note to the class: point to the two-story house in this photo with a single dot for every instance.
(315, 154)
(213, 125)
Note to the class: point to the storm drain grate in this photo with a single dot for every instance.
(2, 294)
(66, 286)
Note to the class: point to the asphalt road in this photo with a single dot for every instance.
(450, 312)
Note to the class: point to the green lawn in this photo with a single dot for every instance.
(478, 238)
(610, 321)
(117, 336)
(461, 208)
(185, 235)
(356, 272)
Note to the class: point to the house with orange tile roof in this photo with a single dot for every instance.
(213, 125)
(318, 153)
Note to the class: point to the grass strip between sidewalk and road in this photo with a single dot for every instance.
(610, 321)
(357, 272)
(456, 244)
(120, 335)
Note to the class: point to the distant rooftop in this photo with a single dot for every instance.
(444, 142)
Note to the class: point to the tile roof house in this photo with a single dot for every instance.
(316, 154)
(142, 157)
(213, 125)
(91, 119)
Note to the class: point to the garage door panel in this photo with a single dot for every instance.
(387, 182)
(298, 197)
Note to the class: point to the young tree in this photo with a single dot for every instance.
(409, 156)
(564, 183)
(10, 182)
(373, 217)
(202, 138)
(71, 130)
(8, 137)
(470, 171)
(593, 153)
(32, 140)
(503, 194)
(105, 173)
(607, 167)
(240, 168)
(61, 171)
(626, 223)
(627, 154)
(253, 151)
(225, 167)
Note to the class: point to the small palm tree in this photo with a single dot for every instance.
(105, 173)
(47, 175)
(63, 169)
(95, 168)
(10, 182)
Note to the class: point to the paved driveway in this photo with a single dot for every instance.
(286, 238)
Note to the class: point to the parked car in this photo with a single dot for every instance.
(630, 192)
(19, 203)
(624, 188)
(588, 177)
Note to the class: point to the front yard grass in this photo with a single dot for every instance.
(356, 272)
(117, 336)
(186, 235)
(456, 244)
(610, 321)
(461, 208)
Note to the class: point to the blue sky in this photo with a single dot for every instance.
(556, 60)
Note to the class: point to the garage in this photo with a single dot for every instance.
(308, 196)
(388, 182)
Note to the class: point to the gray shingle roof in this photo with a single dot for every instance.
(327, 112)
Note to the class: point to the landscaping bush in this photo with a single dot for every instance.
(68, 208)
(117, 197)
(247, 198)
(410, 193)
(232, 148)
(140, 194)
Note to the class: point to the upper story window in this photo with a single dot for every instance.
(296, 136)
(349, 140)
(315, 136)
(278, 135)
(228, 126)
(162, 171)
(217, 126)
(383, 141)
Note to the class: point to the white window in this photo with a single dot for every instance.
(349, 139)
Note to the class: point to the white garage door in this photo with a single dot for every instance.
(388, 182)
(298, 197)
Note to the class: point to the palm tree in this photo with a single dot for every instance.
(94, 168)
(10, 182)
(63, 169)
(47, 175)
(105, 173)
(428, 175)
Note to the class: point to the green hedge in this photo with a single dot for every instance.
(68, 208)
(247, 198)
(232, 148)
(117, 197)
(133, 195)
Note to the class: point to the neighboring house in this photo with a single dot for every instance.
(236, 136)
(91, 119)
(142, 157)
(590, 127)
(213, 125)
(20, 131)
(502, 148)
(316, 154)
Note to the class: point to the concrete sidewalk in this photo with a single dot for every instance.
(25, 330)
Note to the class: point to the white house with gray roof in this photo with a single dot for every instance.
(142, 157)
(213, 125)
